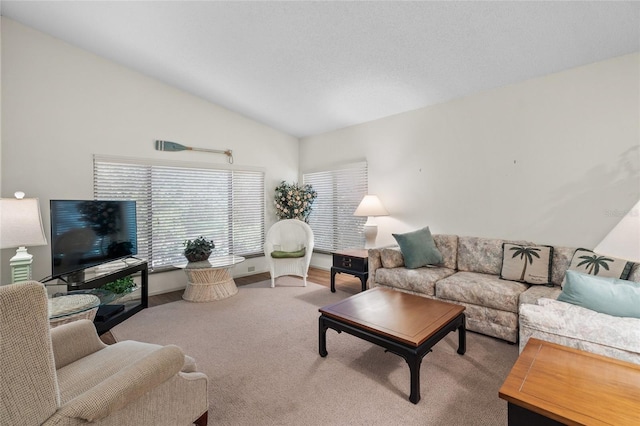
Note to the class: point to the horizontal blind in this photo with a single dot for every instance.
(339, 193)
(178, 203)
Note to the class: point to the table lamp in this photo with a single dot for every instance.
(624, 239)
(21, 226)
(370, 206)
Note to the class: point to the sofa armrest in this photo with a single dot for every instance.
(375, 262)
(126, 386)
(73, 341)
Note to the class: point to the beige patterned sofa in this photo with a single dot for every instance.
(469, 276)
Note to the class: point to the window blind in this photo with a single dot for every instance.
(339, 193)
(177, 203)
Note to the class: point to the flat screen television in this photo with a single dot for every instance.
(86, 233)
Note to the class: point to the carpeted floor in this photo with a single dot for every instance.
(259, 349)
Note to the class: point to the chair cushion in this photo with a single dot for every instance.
(279, 254)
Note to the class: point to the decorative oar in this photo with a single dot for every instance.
(172, 146)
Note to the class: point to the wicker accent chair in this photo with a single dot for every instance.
(288, 248)
(68, 376)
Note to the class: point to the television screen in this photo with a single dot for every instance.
(88, 233)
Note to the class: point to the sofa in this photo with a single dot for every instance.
(469, 275)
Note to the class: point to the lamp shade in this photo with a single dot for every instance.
(371, 206)
(624, 239)
(21, 223)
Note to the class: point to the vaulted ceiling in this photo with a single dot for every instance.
(310, 67)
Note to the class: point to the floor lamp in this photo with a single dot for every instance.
(624, 239)
(370, 206)
(21, 226)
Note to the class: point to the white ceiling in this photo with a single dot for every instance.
(310, 67)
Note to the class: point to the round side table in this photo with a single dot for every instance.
(210, 280)
(64, 309)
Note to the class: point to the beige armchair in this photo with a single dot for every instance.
(68, 376)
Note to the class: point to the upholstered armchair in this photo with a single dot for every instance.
(288, 248)
(68, 376)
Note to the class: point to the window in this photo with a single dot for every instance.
(176, 202)
(339, 192)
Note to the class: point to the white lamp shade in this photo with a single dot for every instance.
(21, 223)
(371, 206)
(624, 239)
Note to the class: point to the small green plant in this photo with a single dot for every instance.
(198, 250)
(120, 286)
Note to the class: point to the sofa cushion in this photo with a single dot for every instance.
(575, 322)
(418, 248)
(448, 246)
(611, 296)
(561, 261)
(419, 280)
(391, 257)
(589, 262)
(481, 289)
(529, 264)
(537, 292)
(483, 255)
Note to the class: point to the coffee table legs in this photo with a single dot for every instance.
(413, 356)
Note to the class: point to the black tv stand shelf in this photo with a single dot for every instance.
(115, 311)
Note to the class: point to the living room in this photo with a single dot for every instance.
(553, 158)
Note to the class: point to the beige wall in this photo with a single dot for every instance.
(61, 105)
(553, 160)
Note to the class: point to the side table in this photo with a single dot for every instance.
(552, 384)
(353, 262)
(64, 309)
(211, 279)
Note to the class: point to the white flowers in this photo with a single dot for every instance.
(293, 201)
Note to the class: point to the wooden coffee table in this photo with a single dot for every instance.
(404, 324)
(552, 384)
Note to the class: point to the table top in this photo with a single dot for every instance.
(216, 262)
(573, 386)
(362, 253)
(401, 316)
(63, 306)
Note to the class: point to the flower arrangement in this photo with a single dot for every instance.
(293, 201)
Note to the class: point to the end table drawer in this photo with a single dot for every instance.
(351, 263)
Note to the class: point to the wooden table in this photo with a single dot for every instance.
(552, 384)
(405, 324)
(353, 262)
(210, 280)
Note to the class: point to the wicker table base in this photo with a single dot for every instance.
(211, 280)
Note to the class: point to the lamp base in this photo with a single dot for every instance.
(21, 265)
(370, 233)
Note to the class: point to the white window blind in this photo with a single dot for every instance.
(176, 203)
(339, 193)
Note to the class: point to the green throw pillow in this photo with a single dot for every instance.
(611, 296)
(418, 248)
(277, 254)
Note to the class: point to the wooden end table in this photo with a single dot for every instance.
(353, 262)
(552, 384)
(404, 324)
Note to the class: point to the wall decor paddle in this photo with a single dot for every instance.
(173, 146)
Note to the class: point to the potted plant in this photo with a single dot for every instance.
(120, 286)
(198, 250)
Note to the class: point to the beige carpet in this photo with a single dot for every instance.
(260, 351)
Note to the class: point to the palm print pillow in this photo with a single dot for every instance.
(526, 264)
(591, 263)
